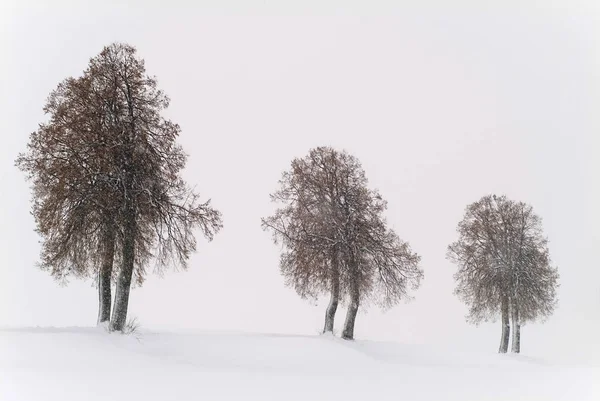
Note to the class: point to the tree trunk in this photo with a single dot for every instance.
(119, 316)
(348, 333)
(105, 275)
(335, 296)
(332, 307)
(516, 334)
(505, 327)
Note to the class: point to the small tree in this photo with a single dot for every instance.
(106, 176)
(504, 266)
(334, 237)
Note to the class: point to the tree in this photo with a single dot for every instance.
(379, 267)
(71, 193)
(106, 179)
(335, 239)
(305, 226)
(504, 266)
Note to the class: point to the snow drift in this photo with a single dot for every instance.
(90, 364)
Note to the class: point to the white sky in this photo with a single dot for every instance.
(441, 104)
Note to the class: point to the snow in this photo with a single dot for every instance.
(90, 364)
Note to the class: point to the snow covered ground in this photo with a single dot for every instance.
(89, 364)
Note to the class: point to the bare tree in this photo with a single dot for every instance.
(106, 180)
(306, 228)
(379, 267)
(334, 237)
(504, 266)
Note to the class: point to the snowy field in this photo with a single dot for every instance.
(89, 364)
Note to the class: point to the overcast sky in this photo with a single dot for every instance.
(441, 104)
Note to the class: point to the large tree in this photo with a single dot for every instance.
(106, 179)
(73, 202)
(504, 266)
(334, 237)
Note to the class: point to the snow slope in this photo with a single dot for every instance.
(89, 364)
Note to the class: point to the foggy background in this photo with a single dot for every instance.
(441, 104)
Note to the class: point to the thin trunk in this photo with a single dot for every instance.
(119, 316)
(348, 333)
(105, 275)
(516, 334)
(505, 327)
(335, 296)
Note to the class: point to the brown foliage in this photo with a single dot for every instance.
(502, 253)
(107, 160)
(331, 228)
